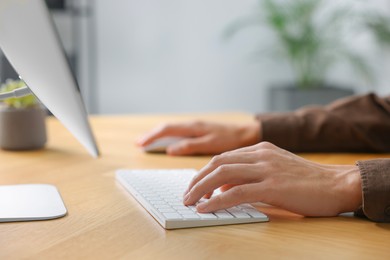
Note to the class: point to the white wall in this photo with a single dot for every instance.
(169, 56)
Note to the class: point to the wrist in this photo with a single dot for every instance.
(250, 133)
(351, 190)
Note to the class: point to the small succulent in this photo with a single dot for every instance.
(21, 102)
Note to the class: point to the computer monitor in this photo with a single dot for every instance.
(31, 44)
(29, 41)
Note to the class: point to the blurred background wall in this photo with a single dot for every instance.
(170, 56)
(153, 56)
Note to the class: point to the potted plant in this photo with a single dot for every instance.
(310, 37)
(22, 120)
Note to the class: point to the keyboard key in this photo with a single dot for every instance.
(167, 210)
(207, 216)
(237, 213)
(180, 207)
(193, 208)
(164, 206)
(157, 202)
(223, 215)
(172, 215)
(185, 211)
(191, 216)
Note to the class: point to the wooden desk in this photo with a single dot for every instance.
(104, 222)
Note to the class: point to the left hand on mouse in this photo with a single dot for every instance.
(205, 137)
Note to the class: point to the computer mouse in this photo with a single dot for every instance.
(160, 145)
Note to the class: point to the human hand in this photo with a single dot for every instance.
(266, 173)
(205, 137)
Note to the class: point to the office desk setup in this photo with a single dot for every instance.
(105, 222)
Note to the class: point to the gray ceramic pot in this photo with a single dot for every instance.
(22, 128)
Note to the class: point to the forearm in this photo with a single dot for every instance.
(358, 124)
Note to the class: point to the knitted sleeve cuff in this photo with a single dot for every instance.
(376, 189)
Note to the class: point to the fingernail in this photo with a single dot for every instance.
(173, 150)
(202, 206)
(140, 141)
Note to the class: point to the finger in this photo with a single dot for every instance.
(196, 145)
(208, 195)
(227, 174)
(247, 193)
(226, 187)
(217, 161)
(223, 188)
(180, 129)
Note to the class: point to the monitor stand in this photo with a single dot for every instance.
(27, 202)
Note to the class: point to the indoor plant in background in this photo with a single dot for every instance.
(310, 37)
(22, 120)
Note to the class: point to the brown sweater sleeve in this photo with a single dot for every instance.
(355, 124)
(376, 189)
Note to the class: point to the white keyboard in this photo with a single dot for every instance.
(160, 192)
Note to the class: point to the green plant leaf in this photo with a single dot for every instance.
(21, 102)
